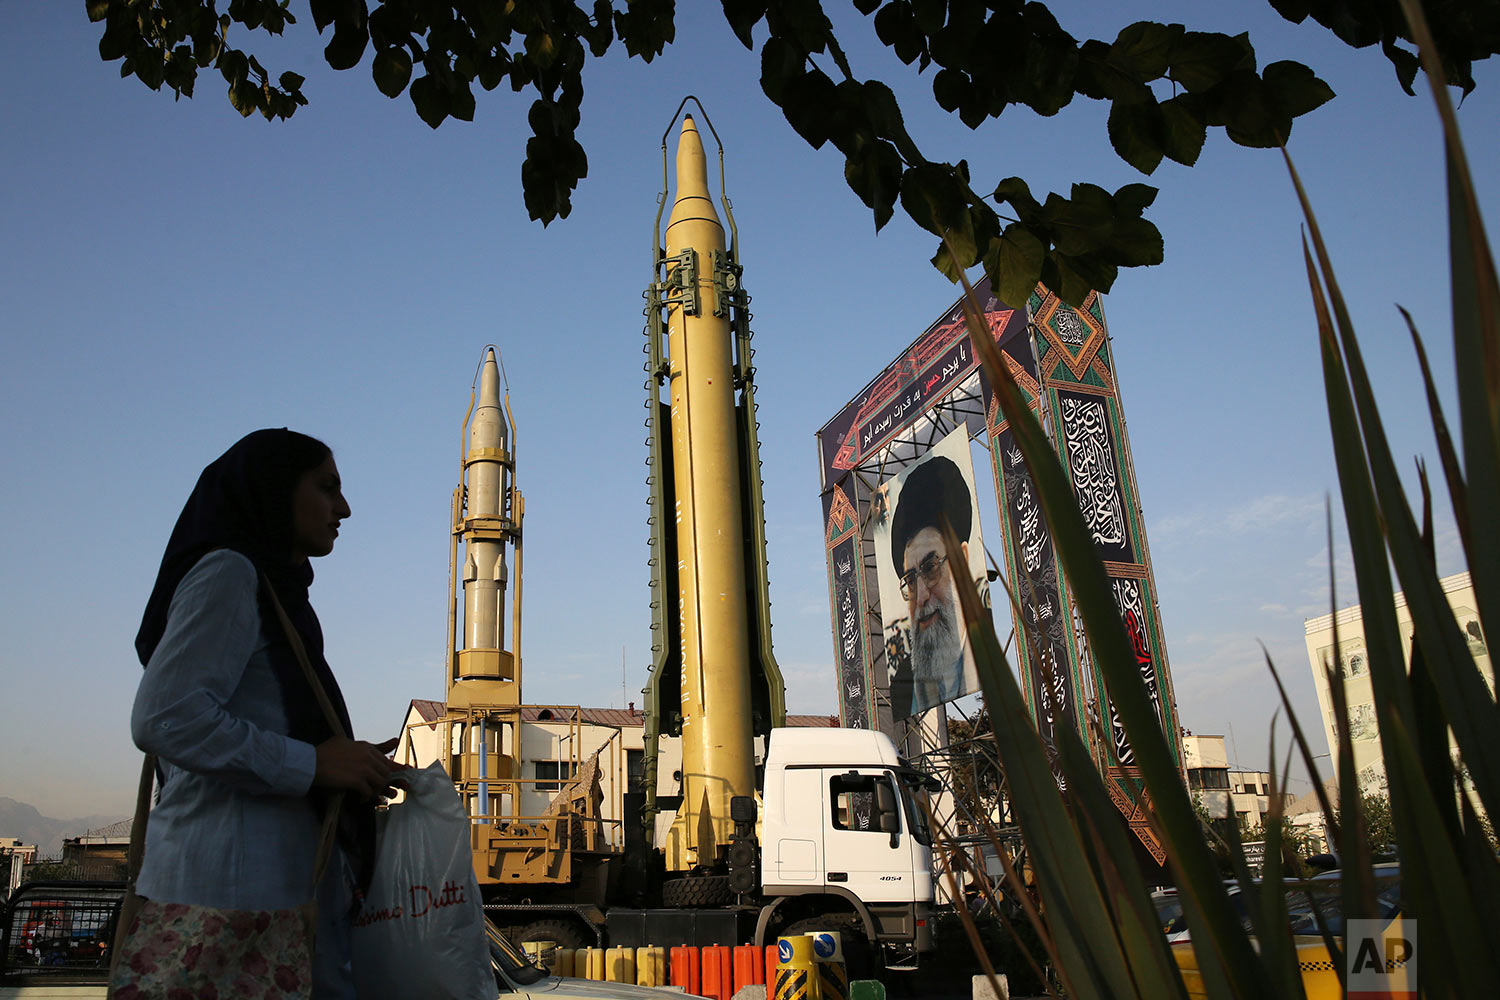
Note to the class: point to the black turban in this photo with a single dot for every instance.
(931, 490)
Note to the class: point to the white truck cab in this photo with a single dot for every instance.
(843, 817)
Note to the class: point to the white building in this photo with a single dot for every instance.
(1353, 661)
(556, 739)
(1223, 791)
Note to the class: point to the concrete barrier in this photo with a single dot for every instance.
(983, 990)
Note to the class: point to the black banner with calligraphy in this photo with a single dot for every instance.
(845, 573)
(1081, 400)
(1043, 647)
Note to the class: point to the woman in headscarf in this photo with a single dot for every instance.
(247, 759)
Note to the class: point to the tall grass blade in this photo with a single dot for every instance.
(1356, 888)
(1269, 909)
(948, 850)
(1154, 972)
(1476, 328)
(1237, 972)
(1460, 954)
(1466, 700)
(1329, 821)
(1458, 491)
(1013, 878)
(1075, 907)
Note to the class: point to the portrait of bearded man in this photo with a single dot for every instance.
(936, 652)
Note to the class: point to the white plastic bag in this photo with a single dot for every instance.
(420, 932)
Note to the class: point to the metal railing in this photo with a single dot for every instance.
(58, 928)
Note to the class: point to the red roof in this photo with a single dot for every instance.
(432, 711)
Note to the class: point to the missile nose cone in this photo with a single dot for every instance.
(693, 201)
(489, 396)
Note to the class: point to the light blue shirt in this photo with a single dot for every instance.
(233, 827)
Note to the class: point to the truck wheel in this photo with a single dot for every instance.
(705, 890)
(861, 959)
(565, 933)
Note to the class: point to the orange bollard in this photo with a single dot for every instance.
(773, 958)
(749, 967)
(685, 961)
(718, 972)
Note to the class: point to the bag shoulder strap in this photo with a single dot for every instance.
(331, 813)
(137, 851)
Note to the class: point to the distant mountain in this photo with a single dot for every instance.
(24, 822)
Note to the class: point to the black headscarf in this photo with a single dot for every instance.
(243, 501)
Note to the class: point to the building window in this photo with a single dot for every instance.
(1208, 777)
(635, 770)
(550, 774)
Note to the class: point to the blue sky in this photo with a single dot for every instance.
(172, 276)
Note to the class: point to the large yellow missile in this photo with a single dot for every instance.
(487, 516)
(717, 747)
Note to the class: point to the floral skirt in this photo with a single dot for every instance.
(175, 951)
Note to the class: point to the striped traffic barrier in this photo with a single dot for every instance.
(796, 975)
(833, 974)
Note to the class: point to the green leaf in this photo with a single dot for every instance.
(805, 103)
(1136, 132)
(1295, 88)
(743, 16)
(1405, 63)
(780, 63)
(1183, 130)
(325, 12)
(290, 81)
(933, 197)
(884, 114)
(1017, 263)
(928, 14)
(431, 102)
(1095, 271)
(874, 173)
(1133, 199)
(461, 102)
(347, 46)
(896, 27)
(1013, 190)
(1135, 243)
(950, 87)
(1252, 115)
(392, 71)
(98, 9)
(1142, 49)
(1083, 223)
(243, 96)
(1202, 59)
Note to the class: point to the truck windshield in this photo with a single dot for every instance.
(914, 795)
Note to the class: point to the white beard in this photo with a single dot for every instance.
(937, 647)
